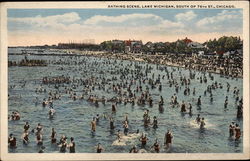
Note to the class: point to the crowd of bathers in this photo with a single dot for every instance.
(128, 84)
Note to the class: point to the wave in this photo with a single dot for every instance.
(126, 139)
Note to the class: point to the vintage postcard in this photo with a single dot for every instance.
(103, 80)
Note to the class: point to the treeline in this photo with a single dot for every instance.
(109, 46)
(224, 44)
(81, 46)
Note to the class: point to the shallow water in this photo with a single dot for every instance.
(73, 118)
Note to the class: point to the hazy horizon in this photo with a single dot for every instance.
(30, 27)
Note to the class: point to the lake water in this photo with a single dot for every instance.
(73, 118)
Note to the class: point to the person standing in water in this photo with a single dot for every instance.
(63, 145)
(39, 128)
(231, 129)
(168, 139)
(161, 102)
(26, 127)
(202, 123)
(143, 140)
(119, 135)
(113, 108)
(198, 119)
(112, 126)
(183, 107)
(125, 125)
(145, 115)
(93, 125)
(155, 123)
(226, 102)
(190, 109)
(39, 139)
(237, 132)
(72, 145)
(199, 101)
(25, 137)
(156, 146)
(126, 118)
(12, 141)
(97, 118)
(53, 136)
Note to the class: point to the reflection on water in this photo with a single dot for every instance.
(73, 118)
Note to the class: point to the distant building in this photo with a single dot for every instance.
(195, 45)
(127, 46)
(187, 41)
(133, 46)
(219, 52)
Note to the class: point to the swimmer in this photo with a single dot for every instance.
(12, 141)
(198, 119)
(145, 115)
(93, 125)
(42, 149)
(62, 139)
(44, 102)
(202, 123)
(39, 128)
(97, 118)
(168, 139)
(143, 140)
(133, 149)
(190, 109)
(226, 102)
(125, 125)
(147, 121)
(71, 145)
(240, 111)
(39, 139)
(126, 118)
(237, 132)
(26, 127)
(113, 108)
(15, 115)
(183, 107)
(119, 135)
(150, 100)
(175, 99)
(156, 146)
(112, 126)
(99, 148)
(53, 136)
(63, 145)
(155, 123)
(199, 101)
(25, 137)
(161, 102)
(231, 129)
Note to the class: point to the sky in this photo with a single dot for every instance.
(28, 27)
